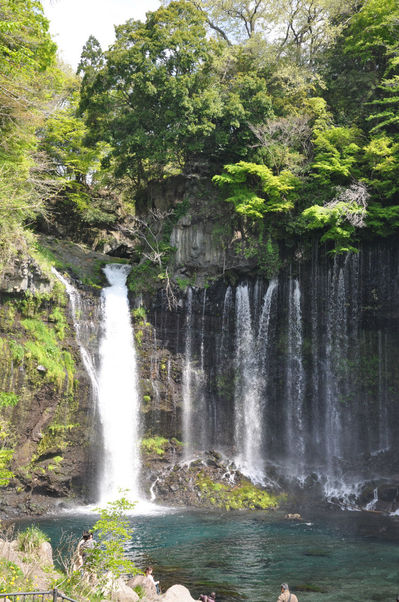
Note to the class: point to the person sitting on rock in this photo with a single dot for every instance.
(286, 595)
(210, 598)
(149, 575)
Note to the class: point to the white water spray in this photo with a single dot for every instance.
(247, 402)
(295, 375)
(76, 307)
(118, 400)
(187, 380)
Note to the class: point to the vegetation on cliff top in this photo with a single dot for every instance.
(292, 112)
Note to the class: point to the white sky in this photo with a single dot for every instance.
(73, 21)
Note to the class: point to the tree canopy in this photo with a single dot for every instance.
(291, 108)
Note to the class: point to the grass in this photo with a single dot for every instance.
(245, 496)
(30, 540)
(45, 350)
(154, 445)
(8, 399)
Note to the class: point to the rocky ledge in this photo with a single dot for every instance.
(208, 481)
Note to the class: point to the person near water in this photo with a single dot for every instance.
(210, 598)
(78, 559)
(86, 544)
(286, 595)
(149, 575)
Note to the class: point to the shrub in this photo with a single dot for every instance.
(30, 540)
(154, 445)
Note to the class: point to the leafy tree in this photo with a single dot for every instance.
(336, 152)
(255, 191)
(113, 532)
(155, 100)
(27, 74)
(303, 28)
(382, 157)
(340, 218)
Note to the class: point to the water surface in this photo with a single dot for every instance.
(245, 556)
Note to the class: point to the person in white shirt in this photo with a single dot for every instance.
(149, 575)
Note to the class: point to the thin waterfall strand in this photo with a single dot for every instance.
(248, 415)
(76, 307)
(187, 380)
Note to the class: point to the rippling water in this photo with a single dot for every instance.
(333, 557)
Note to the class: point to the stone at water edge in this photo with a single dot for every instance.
(123, 593)
(147, 585)
(177, 593)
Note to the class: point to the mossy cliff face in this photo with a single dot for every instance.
(44, 395)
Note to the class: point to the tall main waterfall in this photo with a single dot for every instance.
(114, 383)
(118, 399)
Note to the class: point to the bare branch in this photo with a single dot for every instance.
(355, 198)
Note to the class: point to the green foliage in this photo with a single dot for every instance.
(154, 445)
(30, 540)
(55, 437)
(17, 351)
(140, 591)
(7, 443)
(11, 577)
(255, 191)
(8, 399)
(139, 314)
(382, 158)
(58, 317)
(336, 151)
(245, 496)
(45, 350)
(27, 73)
(156, 74)
(144, 277)
(383, 221)
(113, 532)
(333, 221)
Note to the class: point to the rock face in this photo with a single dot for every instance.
(330, 326)
(45, 395)
(37, 566)
(197, 247)
(24, 274)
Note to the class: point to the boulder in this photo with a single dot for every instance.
(45, 554)
(149, 588)
(123, 593)
(177, 593)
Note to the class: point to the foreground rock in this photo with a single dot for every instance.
(177, 593)
(38, 566)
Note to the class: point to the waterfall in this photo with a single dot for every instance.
(336, 347)
(81, 337)
(383, 425)
(202, 419)
(118, 400)
(247, 396)
(295, 382)
(187, 380)
(263, 349)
